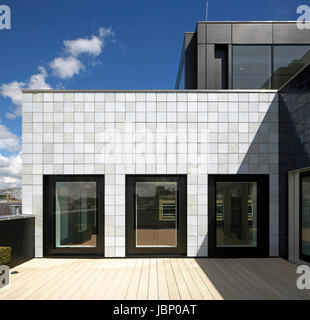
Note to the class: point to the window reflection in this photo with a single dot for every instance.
(75, 214)
(305, 223)
(236, 214)
(252, 67)
(156, 214)
(289, 60)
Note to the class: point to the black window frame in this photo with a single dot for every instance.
(252, 45)
(274, 57)
(272, 47)
(131, 249)
(49, 248)
(262, 248)
(302, 256)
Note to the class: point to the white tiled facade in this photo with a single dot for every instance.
(165, 132)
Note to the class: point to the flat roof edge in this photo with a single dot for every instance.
(253, 21)
(299, 170)
(152, 91)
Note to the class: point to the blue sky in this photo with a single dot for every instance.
(132, 45)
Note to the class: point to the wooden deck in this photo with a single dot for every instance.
(153, 279)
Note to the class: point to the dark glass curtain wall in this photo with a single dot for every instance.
(267, 67)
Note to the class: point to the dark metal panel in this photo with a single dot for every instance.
(211, 74)
(289, 33)
(201, 32)
(19, 235)
(202, 70)
(190, 61)
(294, 145)
(230, 67)
(221, 58)
(201, 66)
(302, 220)
(213, 69)
(218, 33)
(188, 41)
(251, 33)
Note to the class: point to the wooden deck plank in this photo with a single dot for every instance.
(79, 281)
(59, 280)
(38, 278)
(183, 289)
(173, 289)
(25, 271)
(117, 279)
(144, 279)
(274, 280)
(135, 280)
(100, 286)
(106, 282)
(204, 278)
(153, 282)
(96, 280)
(163, 292)
(249, 279)
(191, 285)
(217, 276)
(238, 279)
(121, 288)
(99, 268)
(20, 279)
(203, 289)
(160, 278)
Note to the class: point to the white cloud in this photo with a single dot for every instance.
(8, 140)
(105, 33)
(10, 167)
(10, 171)
(37, 81)
(66, 67)
(92, 46)
(13, 91)
(69, 65)
(63, 67)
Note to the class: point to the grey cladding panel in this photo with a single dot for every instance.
(188, 42)
(218, 33)
(213, 67)
(252, 33)
(289, 33)
(201, 67)
(201, 33)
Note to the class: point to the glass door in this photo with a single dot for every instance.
(238, 215)
(73, 215)
(156, 215)
(304, 245)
